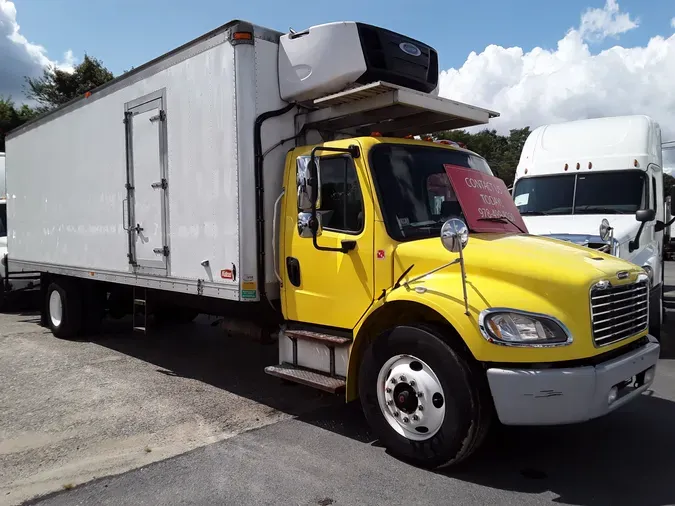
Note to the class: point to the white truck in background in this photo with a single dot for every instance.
(599, 183)
(10, 283)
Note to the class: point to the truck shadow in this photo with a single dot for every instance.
(627, 457)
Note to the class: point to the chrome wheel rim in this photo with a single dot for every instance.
(411, 397)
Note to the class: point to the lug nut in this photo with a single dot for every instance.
(402, 378)
(420, 394)
(396, 414)
(393, 380)
(415, 418)
(421, 408)
(388, 390)
(412, 383)
(390, 402)
(405, 419)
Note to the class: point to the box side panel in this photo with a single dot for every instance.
(67, 183)
(273, 131)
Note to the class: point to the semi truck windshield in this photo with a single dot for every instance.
(414, 188)
(620, 192)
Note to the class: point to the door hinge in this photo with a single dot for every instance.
(164, 250)
(162, 184)
(161, 116)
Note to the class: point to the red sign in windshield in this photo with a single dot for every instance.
(484, 199)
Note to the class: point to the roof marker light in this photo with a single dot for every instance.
(376, 134)
(590, 165)
(242, 36)
(578, 165)
(635, 163)
(567, 166)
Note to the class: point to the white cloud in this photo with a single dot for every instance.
(19, 57)
(598, 24)
(570, 82)
(672, 22)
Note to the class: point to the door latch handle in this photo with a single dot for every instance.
(138, 228)
(161, 184)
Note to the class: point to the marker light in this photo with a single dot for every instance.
(612, 396)
(376, 134)
(590, 165)
(567, 166)
(578, 165)
(242, 36)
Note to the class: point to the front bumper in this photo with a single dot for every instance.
(570, 395)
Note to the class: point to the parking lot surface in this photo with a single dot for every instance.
(187, 416)
(74, 411)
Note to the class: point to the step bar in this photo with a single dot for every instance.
(312, 379)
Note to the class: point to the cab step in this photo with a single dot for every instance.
(308, 378)
(327, 339)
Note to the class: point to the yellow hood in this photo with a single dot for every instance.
(523, 272)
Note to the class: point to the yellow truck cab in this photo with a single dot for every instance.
(438, 327)
(242, 175)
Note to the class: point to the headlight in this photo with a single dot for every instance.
(519, 328)
(650, 274)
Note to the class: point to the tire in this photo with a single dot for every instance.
(64, 309)
(455, 419)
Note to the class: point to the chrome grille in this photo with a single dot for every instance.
(619, 312)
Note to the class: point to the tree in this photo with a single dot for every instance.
(57, 87)
(668, 183)
(12, 117)
(501, 152)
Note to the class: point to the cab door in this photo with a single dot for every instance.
(328, 288)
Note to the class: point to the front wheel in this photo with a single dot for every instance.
(423, 399)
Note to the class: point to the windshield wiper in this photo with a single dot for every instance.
(533, 213)
(502, 220)
(597, 209)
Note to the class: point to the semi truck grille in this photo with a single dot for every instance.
(619, 312)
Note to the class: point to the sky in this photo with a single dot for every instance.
(533, 61)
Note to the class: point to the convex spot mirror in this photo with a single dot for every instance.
(605, 230)
(307, 225)
(309, 183)
(454, 235)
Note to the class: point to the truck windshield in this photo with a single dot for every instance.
(414, 188)
(3, 220)
(620, 192)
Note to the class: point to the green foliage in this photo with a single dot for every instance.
(12, 117)
(668, 183)
(57, 87)
(501, 152)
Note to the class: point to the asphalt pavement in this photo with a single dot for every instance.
(328, 457)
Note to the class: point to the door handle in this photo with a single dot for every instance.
(125, 216)
(138, 228)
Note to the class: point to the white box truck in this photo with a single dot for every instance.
(251, 172)
(599, 183)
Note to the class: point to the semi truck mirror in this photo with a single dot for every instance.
(307, 225)
(308, 183)
(645, 215)
(454, 235)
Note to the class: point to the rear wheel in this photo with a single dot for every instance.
(425, 401)
(64, 309)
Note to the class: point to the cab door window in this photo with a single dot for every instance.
(341, 205)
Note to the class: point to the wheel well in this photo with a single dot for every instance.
(390, 315)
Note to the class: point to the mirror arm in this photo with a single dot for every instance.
(354, 151)
(635, 243)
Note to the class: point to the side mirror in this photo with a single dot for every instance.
(605, 230)
(308, 182)
(454, 235)
(307, 225)
(645, 215)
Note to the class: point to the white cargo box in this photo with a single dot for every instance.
(153, 180)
